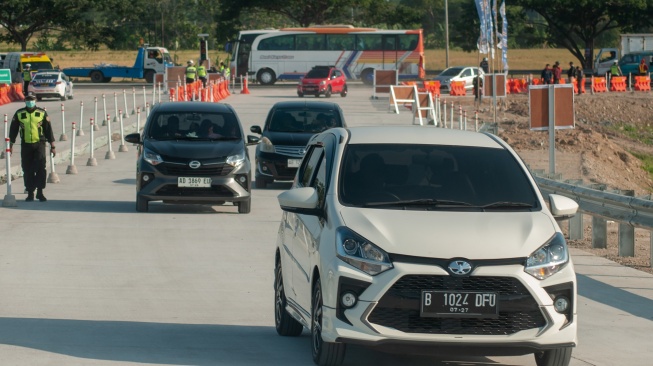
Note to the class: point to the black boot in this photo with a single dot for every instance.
(40, 196)
(30, 196)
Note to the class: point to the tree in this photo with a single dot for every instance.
(576, 24)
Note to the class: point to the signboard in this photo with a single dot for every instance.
(5, 76)
(203, 50)
(488, 88)
(563, 106)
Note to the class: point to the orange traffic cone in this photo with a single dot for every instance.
(245, 89)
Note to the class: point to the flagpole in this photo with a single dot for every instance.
(446, 32)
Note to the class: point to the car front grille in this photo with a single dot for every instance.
(186, 171)
(282, 170)
(213, 191)
(288, 150)
(399, 308)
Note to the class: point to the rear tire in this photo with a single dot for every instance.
(141, 204)
(97, 76)
(266, 77)
(63, 97)
(244, 207)
(149, 76)
(301, 95)
(343, 93)
(367, 76)
(324, 353)
(285, 324)
(553, 357)
(327, 94)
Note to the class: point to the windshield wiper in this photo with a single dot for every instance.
(420, 202)
(508, 204)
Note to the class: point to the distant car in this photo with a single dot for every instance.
(414, 240)
(323, 80)
(288, 127)
(193, 152)
(458, 73)
(51, 84)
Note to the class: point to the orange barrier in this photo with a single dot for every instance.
(18, 90)
(457, 88)
(618, 84)
(599, 85)
(642, 83)
(574, 81)
(562, 81)
(3, 94)
(432, 87)
(537, 81)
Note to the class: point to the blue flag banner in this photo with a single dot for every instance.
(482, 44)
(504, 36)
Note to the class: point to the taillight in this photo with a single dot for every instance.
(58, 82)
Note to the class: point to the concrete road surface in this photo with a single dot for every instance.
(85, 280)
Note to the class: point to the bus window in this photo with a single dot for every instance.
(389, 43)
(408, 42)
(368, 42)
(279, 43)
(310, 42)
(341, 42)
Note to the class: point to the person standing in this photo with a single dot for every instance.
(35, 130)
(485, 66)
(191, 72)
(571, 73)
(579, 79)
(557, 73)
(226, 73)
(27, 77)
(643, 67)
(615, 70)
(201, 73)
(547, 75)
(478, 88)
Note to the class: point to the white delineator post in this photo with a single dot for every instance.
(134, 97)
(9, 200)
(91, 160)
(123, 147)
(159, 92)
(147, 110)
(115, 106)
(95, 126)
(138, 119)
(124, 94)
(72, 169)
(452, 113)
(476, 121)
(63, 136)
(444, 114)
(104, 102)
(53, 177)
(460, 117)
(2, 156)
(110, 154)
(144, 97)
(80, 131)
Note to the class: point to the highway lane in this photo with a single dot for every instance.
(85, 280)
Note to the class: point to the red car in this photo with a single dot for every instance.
(323, 80)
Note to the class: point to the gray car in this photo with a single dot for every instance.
(192, 152)
(458, 73)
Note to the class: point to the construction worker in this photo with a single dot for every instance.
(191, 72)
(35, 130)
(643, 67)
(27, 77)
(615, 70)
(201, 73)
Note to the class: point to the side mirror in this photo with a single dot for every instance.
(134, 138)
(562, 208)
(256, 129)
(300, 200)
(252, 140)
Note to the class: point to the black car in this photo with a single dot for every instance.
(192, 152)
(287, 129)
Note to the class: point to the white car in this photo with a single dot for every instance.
(423, 238)
(458, 73)
(51, 84)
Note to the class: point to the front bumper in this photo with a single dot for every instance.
(276, 166)
(525, 326)
(311, 89)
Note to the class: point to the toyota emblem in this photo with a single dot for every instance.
(460, 267)
(194, 164)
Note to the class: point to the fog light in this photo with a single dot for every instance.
(242, 179)
(348, 300)
(146, 178)
(561, 304)
(264, 168)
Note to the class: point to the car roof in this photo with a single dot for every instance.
(420, 135)
(193, 107)
(306, 104)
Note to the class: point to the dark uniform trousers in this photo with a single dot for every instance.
(33, 163)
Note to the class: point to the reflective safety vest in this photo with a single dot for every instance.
(31, 125)
(643, 69)
(27, 75)
(614, 70)
(190, 72)
(201, 71)
(226, 73)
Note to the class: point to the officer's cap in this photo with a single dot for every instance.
(30, 96)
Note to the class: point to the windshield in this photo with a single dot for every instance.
(406, 176)
(300, 120)
(452, 71)
(320, 73)
(38, 65)
(194, 126)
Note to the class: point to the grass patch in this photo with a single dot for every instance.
(647, 162)
(643, 134)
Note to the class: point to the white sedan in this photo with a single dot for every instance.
(51, 84)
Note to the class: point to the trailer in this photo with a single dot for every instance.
(149, 61)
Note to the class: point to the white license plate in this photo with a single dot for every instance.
(294, 163)
(467, 304)
(193, 182)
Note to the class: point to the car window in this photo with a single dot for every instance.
(46, 77)
(466, 73)
(318, 73)
(310, 165)
(451, 71)
(194, 126)
(304, 121)
(373, 173)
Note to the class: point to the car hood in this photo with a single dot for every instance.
(182, 149)
(289, 138)
(447, 234)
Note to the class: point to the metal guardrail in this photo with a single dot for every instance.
(629, 211)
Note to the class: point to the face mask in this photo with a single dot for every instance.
(30, 103)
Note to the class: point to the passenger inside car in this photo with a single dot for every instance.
(172, 127)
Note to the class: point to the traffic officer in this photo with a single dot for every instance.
(27, 77)
(615, 70)
(35, 130)
(225, 71)
(191, 72)
(201, 73)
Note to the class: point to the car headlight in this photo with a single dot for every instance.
(152, 157)
(360, 253)
(323, 82)
(236, 159)
(266, 145)
(549, 259)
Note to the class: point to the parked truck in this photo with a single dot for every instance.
(149, 61)
(629, 43)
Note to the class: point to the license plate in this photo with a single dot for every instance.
(193, 182)
(459, 304)
(294, 163)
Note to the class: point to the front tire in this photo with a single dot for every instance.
(327, 94)
(553, 357)
(266, 77)
(141, 204)
(285, 324)
(63, 97)
(324, 353)
(149, 76)
(343, 93)
(301, 95)
(97, 76)
(244, 207)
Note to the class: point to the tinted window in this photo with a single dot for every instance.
(408, 42)
(311, 165)
(451, 71)
(389, 172)
(341, 42)
(319, 182)
(318, 73)
(46, 77)
(278, 43)
(369, 42)
(312, 42)
(304, 121)
(194, 126)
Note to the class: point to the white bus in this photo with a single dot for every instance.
(289, 53)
